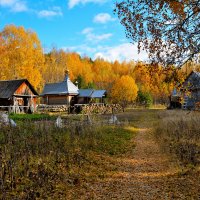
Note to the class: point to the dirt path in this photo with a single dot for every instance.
(143, 174)
(139, 174)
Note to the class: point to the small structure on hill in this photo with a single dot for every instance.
(17, 95)
(62, 93)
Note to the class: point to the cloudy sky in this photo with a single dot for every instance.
(88, 27)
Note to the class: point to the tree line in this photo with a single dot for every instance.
(22, 56)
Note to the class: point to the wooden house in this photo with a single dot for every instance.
(61, 93)
(17, 93)
(190, 90)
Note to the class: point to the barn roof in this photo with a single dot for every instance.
(8, 87)
(61, 88)
(192, 81)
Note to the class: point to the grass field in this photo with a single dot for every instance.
(38, 160)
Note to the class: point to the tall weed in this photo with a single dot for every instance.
(179, 133)
(38, 160)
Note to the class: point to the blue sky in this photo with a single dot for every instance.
(88, 27)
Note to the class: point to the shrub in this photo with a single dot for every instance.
(144, 98)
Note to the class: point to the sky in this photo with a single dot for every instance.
(87, 27)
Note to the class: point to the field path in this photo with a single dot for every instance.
(145, 173)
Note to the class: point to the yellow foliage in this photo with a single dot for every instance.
(23, 56)
(124, 90)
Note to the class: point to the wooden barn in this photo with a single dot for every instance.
(62, 93)
(190, 90)
(18, 94)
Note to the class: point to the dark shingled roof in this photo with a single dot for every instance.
(8, 88)
(192, 81)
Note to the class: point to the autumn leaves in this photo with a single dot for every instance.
(22, 56)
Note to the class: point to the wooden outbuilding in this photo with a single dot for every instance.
(190, 90)
(61, 93)
(188, 95)
(18, 94)
(87, 96)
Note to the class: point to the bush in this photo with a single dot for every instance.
(145, 99)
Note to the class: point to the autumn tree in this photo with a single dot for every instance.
(124, 90)
(169, 30)
(56, 65)
(22, 56)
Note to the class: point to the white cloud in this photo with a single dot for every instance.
(87, 30)
(125, 51)
(55, 11)
(82, 49)
(103, 18)
(73, 3)
(95, 38)
(7, 3)
(19, 7)
(122, 52)
(14, 5)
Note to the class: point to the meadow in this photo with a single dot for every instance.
(41, 161)
(38, 160)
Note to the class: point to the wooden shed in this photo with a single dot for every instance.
(87, 96)
(18, 94)
(190, 90)
(62, 93)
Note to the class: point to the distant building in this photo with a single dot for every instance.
(188, 95)
(190, 90)
(17, 93)
(66, 93)
(62, 93)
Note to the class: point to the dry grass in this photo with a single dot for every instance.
(179, 133)
(38, 161)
